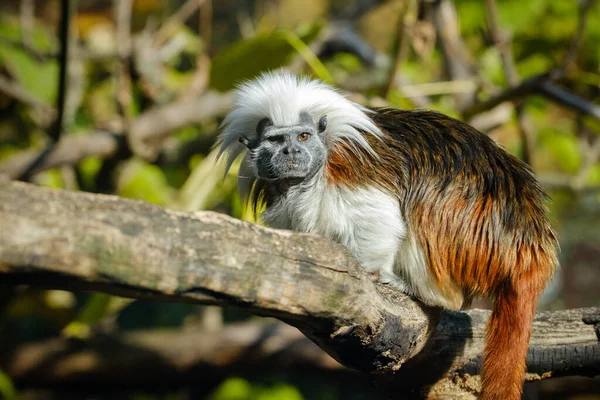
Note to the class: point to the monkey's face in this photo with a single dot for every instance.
(292, 153)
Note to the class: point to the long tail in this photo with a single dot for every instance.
(508, 332)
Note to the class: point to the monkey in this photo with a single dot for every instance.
(430, 205)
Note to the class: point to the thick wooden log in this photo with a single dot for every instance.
(69, 240)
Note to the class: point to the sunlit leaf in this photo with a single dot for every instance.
(233, 389)
(593, 175)
(97, 307)
(196, 192)
(7, 389)
(280, 392)
(564, 148)
(248, 58)
(38, 78)
(144, 181)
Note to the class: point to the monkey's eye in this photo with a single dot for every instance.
(304, 136)
(277, 139)
(322, 123)
(263, 123)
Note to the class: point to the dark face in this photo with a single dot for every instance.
(291, 153)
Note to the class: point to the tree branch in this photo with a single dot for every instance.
(70, 150)
(541, 85)
(55, 130)
(585, 7)
(72, 240)
(457, 63)
(512, 77)
(149, 130)
(148, 133)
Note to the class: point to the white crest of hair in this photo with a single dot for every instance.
(281, 97)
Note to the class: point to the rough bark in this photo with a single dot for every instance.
(72, 240)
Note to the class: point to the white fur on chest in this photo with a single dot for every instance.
(369, 223)
(366, 221)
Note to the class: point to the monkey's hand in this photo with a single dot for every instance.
(374, 276)
(391, 280)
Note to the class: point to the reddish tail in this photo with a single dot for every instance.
(508, 332)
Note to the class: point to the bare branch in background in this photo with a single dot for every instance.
(510, 71)
(63, 61)
(105, 180)
(401, 47)
(585, 7)
(123, 15)
(200, 81)
(56, 128)
(457, 63)
(27, 18)
(148, 131)
(182, 15)
(73, 240)
(205, 21)
(44, 112)
(70, 150)
(540, 85)
(568, 99)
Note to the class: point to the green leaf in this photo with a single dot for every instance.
(146, 182)
(280, 392)
(564, 149)
(88, 169)
(51, 178)
(311, 59)
(241, 389)
(38, 78)
(94, 309)
(593, 175)
(202, 188)
(97, 306)
(233, 389)
(7, 389)
(246, 59)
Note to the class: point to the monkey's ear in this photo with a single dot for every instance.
(323, 124)
(244, 140)
(262, 124)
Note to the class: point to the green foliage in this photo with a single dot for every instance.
(247, 58)
(51, 178)
(7, 389)
(95, 308)
(564, 148)
(37, 77)
(241, 389)
(593, 176)
(146, 182)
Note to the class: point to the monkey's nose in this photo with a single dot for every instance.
(293, 150)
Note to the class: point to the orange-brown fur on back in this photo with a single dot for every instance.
(478, 215)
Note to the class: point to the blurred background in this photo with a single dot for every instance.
(125, 97)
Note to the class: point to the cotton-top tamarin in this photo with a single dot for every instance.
(429, 204)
